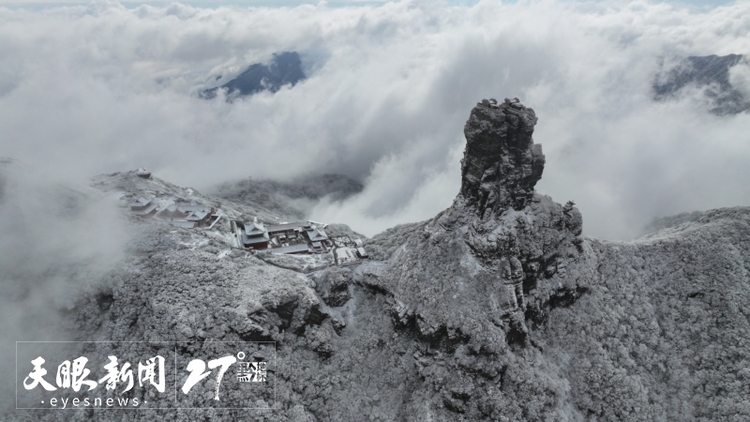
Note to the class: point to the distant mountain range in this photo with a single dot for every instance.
(284, 69)
(710, 73)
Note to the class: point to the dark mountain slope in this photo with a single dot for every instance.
(710, 73)
(284, 69)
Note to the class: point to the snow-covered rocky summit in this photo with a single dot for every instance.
(523, 318)
(498, 247)
(501, 162)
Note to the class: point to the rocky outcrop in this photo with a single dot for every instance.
(501, 163)
(499, 244)
(511, 302)
(143, 173)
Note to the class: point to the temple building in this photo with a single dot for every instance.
(284, 238)
(253, 235)
(143, 207)
(187, 215)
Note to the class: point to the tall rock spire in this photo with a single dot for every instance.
(501, 162)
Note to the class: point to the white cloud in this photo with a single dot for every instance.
(739, 77)
(57, 243)
(100, 88)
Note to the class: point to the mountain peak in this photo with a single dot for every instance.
(501, 162)
(284, 69)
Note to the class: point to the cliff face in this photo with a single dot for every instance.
(495, 309)
(497, 246)
(501, 163)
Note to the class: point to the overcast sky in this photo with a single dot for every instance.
(104, 86)
(289, 3)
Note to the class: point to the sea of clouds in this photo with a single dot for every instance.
(104, 87)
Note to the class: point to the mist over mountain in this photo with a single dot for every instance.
(403, 251)
(296, 197)
(384, 98)
(497, 308)
(662, 223)
(283, 69)
(713, 76)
